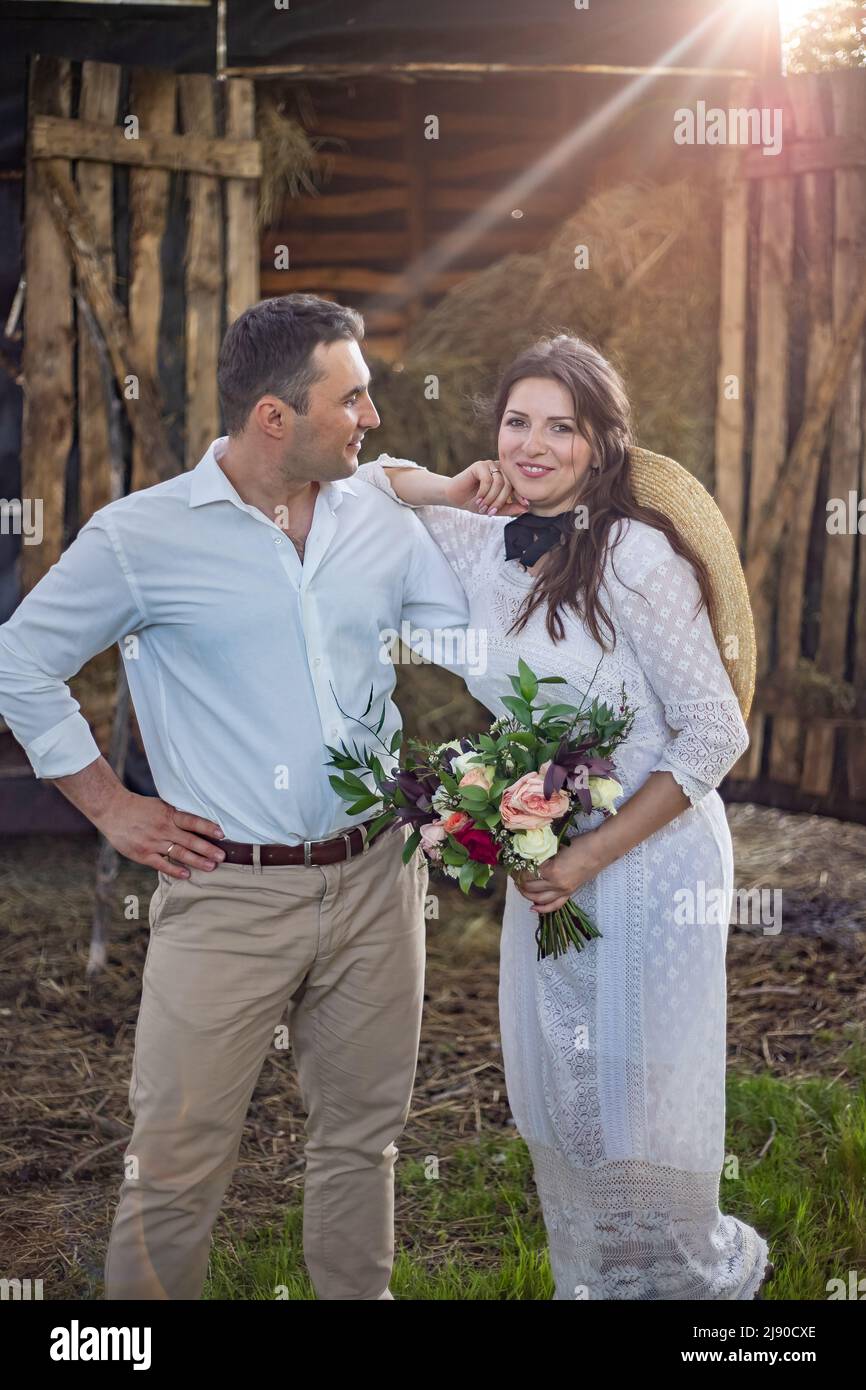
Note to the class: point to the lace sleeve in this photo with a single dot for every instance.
(463, 537)
(678, 654)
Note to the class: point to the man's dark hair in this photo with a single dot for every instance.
(268, 350)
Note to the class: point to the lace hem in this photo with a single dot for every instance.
(694, 789)
(711, 737)
(630, 1230)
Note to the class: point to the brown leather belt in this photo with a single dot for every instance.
(311, 852)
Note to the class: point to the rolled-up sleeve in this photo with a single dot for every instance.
(85, 602)
(677, 652)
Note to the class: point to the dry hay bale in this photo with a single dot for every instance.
(435, 704)
(648, 299)
(292, 158)
(482, 322)
(439, 430)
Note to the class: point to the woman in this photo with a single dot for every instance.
(614, 1055)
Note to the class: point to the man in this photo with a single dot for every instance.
(249, 596)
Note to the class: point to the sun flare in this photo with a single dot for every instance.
(791, 13)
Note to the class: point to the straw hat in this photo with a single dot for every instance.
(661, 483)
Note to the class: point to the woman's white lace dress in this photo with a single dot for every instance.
(614, 1056)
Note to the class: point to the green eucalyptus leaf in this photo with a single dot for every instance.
(549, 712)
(411, 845)
(528, 681)
(467, 875)
(379, 824)
(519, 708)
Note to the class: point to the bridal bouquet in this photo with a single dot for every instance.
(504, 798)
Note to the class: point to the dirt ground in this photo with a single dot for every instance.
(795, 1004)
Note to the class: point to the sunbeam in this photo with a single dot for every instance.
(501, 204)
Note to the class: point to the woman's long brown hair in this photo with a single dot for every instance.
(573, 573)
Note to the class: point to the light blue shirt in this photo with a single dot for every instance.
(239, 658)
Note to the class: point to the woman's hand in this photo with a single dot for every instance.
(483, 487)
(562, 875)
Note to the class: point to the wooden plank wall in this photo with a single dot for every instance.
(204, 275)
(810, 118)
(394, 194)
(178, 135)
(153, 99)
(100, 89)
(242, 249)
(846, 441)
(47, 357)
(794, 252)
(770, 439)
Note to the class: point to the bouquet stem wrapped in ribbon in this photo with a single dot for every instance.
(506, 798)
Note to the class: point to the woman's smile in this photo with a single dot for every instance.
(533, 470)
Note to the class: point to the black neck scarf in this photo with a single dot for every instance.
(528, 537)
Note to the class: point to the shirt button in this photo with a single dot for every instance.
(317, 661)
(278, 540)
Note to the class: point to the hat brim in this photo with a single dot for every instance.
(664, 484)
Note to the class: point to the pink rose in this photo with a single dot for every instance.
(432, 836)
(477, 777)
(525, 807)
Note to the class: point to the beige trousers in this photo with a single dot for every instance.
(233, 951)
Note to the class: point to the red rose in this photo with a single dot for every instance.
(480, 843)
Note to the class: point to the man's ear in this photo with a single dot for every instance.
(273, 417)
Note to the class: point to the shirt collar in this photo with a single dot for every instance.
(208, 482)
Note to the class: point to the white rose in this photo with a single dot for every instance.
(537, 845)
(604, 791)
(441, 800)
(453, 745)
(461, 765)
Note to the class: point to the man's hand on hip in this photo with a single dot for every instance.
(143, 828)
(151, 832)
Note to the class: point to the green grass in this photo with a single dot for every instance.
(807, 1196)
(476, 1231)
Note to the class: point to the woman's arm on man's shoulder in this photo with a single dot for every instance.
(474, 488)
(406, 481)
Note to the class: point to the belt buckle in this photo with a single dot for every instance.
(345, 836)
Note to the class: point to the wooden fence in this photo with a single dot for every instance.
(148, 166)
(153, 126)
(790, 435)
